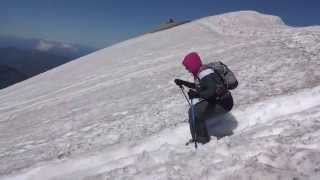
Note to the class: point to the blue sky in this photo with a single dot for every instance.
(100, 23)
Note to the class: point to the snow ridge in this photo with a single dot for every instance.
(244, 23)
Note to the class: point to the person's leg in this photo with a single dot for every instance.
(191, 125)
(200, 110)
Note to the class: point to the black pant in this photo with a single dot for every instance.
(203, 110)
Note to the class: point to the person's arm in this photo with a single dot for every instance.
(185, 83)
(208, 87)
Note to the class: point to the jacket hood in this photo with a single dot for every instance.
(192, 62)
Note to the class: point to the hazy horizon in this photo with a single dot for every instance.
(102, 23)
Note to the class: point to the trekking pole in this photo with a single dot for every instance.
(184, 94)
(193, 118)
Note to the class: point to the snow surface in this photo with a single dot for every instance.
(116, 113)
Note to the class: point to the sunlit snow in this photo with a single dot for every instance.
(116, 113)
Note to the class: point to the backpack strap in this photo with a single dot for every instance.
(219, 75)
(205, 72)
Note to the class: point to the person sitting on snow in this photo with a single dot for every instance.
(209, 87)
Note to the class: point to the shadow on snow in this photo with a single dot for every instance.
(221, 125)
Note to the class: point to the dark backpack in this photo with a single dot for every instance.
(227, 76)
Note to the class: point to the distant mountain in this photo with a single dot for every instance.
(21, 58)
(9, 76)
(69, 50)
(17, 65)
(30, 62)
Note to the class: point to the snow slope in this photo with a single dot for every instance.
(116, 113)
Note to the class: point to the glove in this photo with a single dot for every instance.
(193, 94)
(178, 82)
